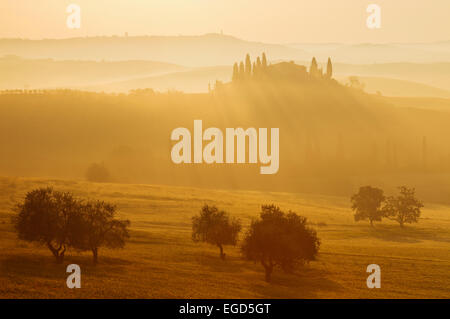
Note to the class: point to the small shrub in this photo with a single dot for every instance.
(97, 172)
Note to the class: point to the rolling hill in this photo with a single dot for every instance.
(397, 79)
(368, 53)
(400, 88)
(195, 80)
(161, 261)
(20, 73)
(204, 50)
(432, 74)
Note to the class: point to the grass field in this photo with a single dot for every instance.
(161, 261)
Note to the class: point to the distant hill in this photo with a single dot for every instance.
(19, 73)
(432, 74)
(190, 81)
(204, 50)
(197, 80)
(402, 88)
(440, 104)
(394, 79)
(366, 53)
(218, 49)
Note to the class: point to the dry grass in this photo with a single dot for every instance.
(161, 261)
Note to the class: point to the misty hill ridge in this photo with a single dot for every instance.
(192, 80)
(204, 50)
(365, 53)
(122, 76)
(401, 88)
(19, 73)
(217, 49)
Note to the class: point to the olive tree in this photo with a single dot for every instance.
(46, 217)
(215, 227)
(60, 221)
(98, 227)
(404, 208)
(367, 204)
(279, 239)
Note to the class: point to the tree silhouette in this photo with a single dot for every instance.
(235, 76)
(329, 69)
(313, 69)
(367, 204)
(97, 227)
(355, 83)
(279, 239)
(60, 221)
(47, 217)
(264, 61)
(404, 208)
(215, 227)
(248, 66)
(257, 66)
(97, 172)
(258, 62)
(241, 70)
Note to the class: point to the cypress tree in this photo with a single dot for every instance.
(241, 70)
(264, 61)
(248, 66)
(235, 72)
(313, 69)
(329, 69)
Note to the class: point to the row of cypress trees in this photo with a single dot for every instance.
(247, 68)
(315, 71)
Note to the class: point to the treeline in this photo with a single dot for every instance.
(45, 92)
(245, 70)
(146, 91)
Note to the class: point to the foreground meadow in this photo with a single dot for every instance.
(161, 261)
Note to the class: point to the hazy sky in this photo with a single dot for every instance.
(277, 21)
